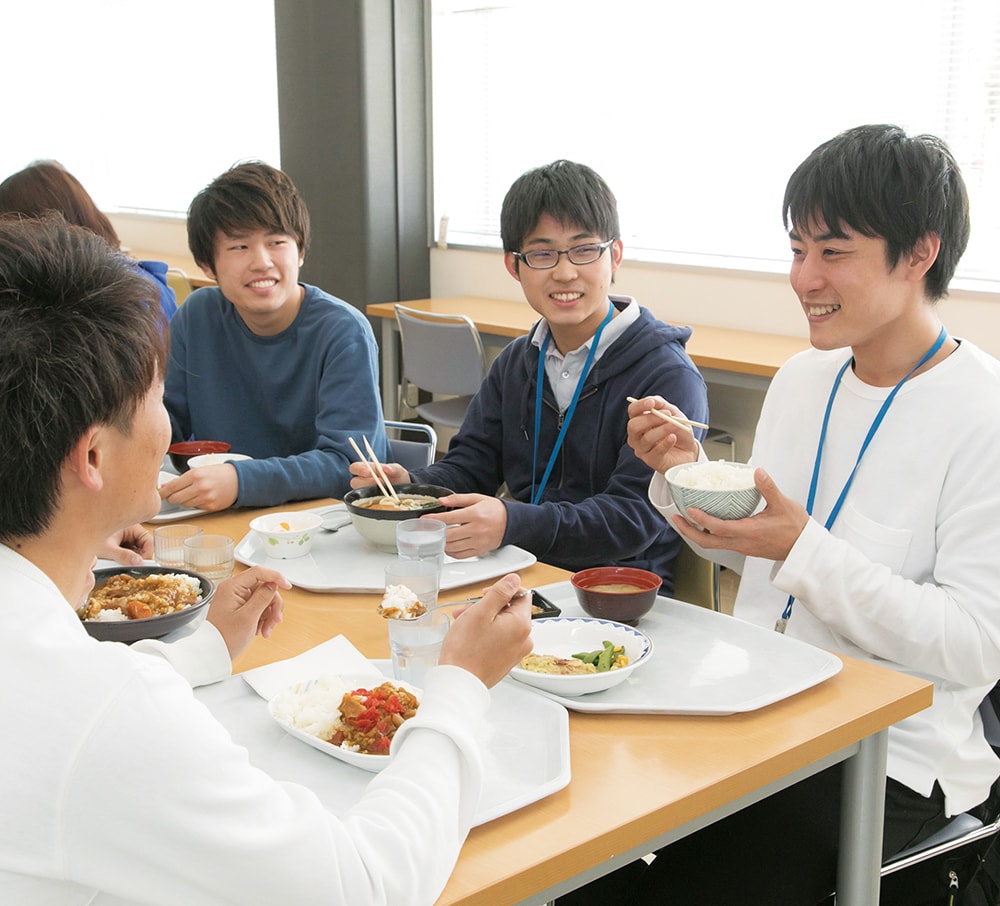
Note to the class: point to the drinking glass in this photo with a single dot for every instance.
(168, 544)
(422, 577)
(209, 555)
(421, 539)
(415, 645)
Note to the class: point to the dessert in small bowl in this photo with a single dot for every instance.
(722, 489)
(620, 593)
(562, 647)
(287, 535)
(184, 450)
(375, 516)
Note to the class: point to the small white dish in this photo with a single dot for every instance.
(214, 459)
(566, 636)
(287, 535)
(371, 763)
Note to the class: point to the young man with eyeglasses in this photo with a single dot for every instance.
(279, 369)
(548, 425)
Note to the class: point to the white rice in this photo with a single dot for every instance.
(715, 476)
(314, 710)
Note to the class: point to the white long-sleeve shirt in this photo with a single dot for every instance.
(909, 575)
(118, 786)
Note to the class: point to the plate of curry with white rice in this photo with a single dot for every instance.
(352, 718)
(128, 603)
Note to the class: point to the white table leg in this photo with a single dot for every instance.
(861, 819)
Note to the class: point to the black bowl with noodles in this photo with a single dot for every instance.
(129, 631)
(379, 525)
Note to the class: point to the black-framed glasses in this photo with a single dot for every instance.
(543, 259)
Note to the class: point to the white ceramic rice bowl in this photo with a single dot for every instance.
(726, 503)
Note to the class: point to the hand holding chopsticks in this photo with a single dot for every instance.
(679, 420)
(375, 467)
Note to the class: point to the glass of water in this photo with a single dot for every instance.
(421, 539)
(415, 645)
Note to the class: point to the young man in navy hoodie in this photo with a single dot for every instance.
(542, 459)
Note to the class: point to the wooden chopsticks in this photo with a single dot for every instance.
(375, 467)
(679, 420)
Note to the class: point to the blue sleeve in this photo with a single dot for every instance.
(157, 272)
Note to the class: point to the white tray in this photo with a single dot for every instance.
(703, 663)
(343, 561)
(525, 744)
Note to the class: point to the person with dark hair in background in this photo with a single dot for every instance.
(879, 536)
(46, 186)
(278, 369)
(118, 786)
(549, 422)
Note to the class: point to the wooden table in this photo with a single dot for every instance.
(737, 357)
(641, 781)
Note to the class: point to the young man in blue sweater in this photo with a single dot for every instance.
(279, 369)
(549, 424)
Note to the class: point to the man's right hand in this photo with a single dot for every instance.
(493, 634)
(658, 443)
(363, 474)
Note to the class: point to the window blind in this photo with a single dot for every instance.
(696, 114)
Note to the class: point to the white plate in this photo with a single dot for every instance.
(565, 636)
(171, 512)
(343, 561)
(706, 663)
(373, 763)
(524, 737)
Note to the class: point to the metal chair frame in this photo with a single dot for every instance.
(411, 454)
(442, 354)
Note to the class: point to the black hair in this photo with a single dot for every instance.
(247, 197)
(571, 193)
(82, 340)
(880, 182)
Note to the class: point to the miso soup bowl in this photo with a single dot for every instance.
(619, 593)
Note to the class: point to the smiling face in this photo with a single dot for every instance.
(573, 298)
(259, 272)
(852, 297)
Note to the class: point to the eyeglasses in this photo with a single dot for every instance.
(543, 259)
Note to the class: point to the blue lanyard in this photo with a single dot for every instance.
(536, 495)
(875, 425)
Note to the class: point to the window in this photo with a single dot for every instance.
(145, 103)
(696, 114)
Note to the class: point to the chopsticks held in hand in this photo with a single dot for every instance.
(677, 420)
(375, 467)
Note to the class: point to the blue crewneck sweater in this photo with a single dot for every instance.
(291, 401)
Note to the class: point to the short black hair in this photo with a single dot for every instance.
(247, 197)
(82, 339)
(571, 193)
(880, 182)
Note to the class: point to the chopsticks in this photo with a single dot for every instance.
(679, 420)
(375, 467)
